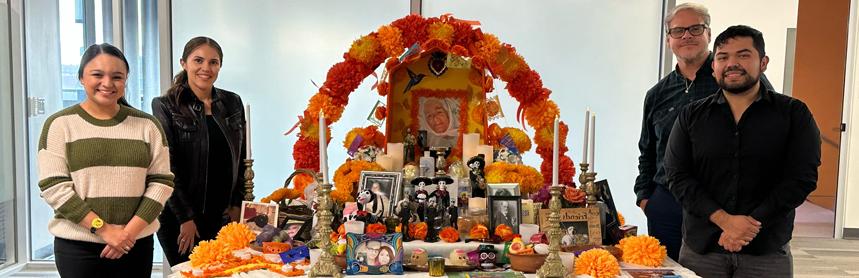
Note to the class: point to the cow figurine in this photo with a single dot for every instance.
(368, 202)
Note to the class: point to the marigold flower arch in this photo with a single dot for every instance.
(449, 34)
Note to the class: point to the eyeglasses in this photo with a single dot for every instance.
(695, 30)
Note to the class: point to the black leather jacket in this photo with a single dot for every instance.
(185, 126)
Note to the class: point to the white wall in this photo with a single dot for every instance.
(771, 17)
(605, 59)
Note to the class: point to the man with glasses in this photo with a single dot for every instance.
(688, 35)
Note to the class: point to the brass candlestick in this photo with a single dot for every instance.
(325, 266)
(249, 180)
(553, 267)
(587, 179)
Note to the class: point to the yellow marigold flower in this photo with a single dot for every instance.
(440, 31)
(364, 49)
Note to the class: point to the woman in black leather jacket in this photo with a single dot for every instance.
(205, 129)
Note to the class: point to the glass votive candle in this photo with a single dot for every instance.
(436, 266)
(355, 227)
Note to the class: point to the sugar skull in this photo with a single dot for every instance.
(458, 257)
(419, 257)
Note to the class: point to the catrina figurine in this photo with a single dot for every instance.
(476, 176)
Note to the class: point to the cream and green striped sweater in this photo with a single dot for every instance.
(117, 168)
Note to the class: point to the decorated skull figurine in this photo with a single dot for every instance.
(458, 257)
(419, 257)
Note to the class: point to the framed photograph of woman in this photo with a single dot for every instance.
(503, 189)
(505, 210)
(440, 118)
(386, 188)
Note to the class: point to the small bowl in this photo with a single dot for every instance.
(527, 263)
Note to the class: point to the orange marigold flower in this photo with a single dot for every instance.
(370, 136)
(306, 154)
(598, 263)
(418, 230)
(210, 253)
(377, 228)
(236, 235)
(449, 234)
(566, 169)
(542, 114)
(529, 179)
(642, 250)
(413, 28)
(486, 48)
(520, 138)
(508, 63)
(478, 232)
(504, 232)
(348, 174)
(391, 40)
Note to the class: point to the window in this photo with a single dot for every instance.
(7, 181)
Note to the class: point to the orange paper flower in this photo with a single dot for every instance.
(210, 253)
(642, 250)
(574, 195)
(598, 263)
(376, 228)
(478, 232)
(504, 232)
(418, 230)
(236, 235)
(449, 234)
(380, 113)
(365, 50)
(440, 31)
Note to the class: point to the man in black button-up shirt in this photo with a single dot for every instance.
(740, 162)
(687, 35)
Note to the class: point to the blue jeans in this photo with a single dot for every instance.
(715, 264)
(665, 220)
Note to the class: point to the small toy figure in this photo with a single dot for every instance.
(369, 202)
(441, 193)
(409, 142)
(433, 219)
(421, 196)
(406, 211)
(483, 257)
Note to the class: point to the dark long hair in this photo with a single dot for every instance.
(182, 77)
(105, 48)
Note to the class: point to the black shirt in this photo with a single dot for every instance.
(661, 106)
(217, 191)
(764, 167)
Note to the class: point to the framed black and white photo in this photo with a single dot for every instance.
(580, 226)
(505, 210)
(503, 189)
(258, 215)
(386, 188)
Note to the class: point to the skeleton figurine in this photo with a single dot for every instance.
(475, 174)
(421, 196)
(434, 219)
(405, 210)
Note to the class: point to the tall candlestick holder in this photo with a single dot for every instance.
(325, 266)
(554, 267)
(587, 180)
(249, 180)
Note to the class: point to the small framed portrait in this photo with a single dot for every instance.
(382, 190)
(297, 218)
(505, 210)
(503, 189)
(258, 215)
(580, 226)
(374, 253)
